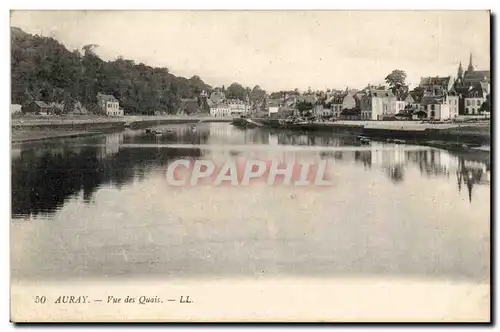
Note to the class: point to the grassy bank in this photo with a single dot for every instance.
(20, 136)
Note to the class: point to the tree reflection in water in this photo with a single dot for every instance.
(43, 180)
(45, 176)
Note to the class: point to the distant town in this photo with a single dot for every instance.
(436, 98)
(49, 80)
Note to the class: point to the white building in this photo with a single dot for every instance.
(385, 106)
(475, 97)
(452, 100)
(15, 109)
(109, 105)
(230, 107)
(220, 110)
(341, 102)
(273, 110)
(238, 107)
(435, 108)
(377, 103)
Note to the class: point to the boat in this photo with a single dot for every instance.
(157, 132)
(148, 131)
(399, 141)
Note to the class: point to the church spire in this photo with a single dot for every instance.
(460, 70)
(470, 68)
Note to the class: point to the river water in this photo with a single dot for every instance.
(100, 207)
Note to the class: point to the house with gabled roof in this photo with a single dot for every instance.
(37, 107)
(109, 105)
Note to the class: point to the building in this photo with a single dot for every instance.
(473, 76)
(340, 102)
(238, 107)
(475, 97)
(434, 108)
(37, 107)
(453, 101)
(15, 109)
(220, 110)
(380, 105)
(320, 111)
(377, 104)
(230, 107)
(109, 105)
(436, 86)
(471, 87)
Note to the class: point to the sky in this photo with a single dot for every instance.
(278, 50)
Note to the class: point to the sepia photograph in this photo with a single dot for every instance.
(250, 166)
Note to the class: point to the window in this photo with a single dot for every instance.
(432, 108)
(468, 102)
(478, 103)
(467, 110)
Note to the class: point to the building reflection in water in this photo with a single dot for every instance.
(45, 175)
(470, 173)
(431, 162)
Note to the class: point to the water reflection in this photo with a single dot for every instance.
(43, 179)
(96, 207)
(46, 175)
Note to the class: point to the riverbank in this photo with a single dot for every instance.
(23, 136)
(36, 128)
(461, 133)
(90, 122)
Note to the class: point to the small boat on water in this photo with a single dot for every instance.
(363, 139)
(158, 132)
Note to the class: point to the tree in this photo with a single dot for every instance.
(235, 91)
(304, 107)
(486, 105)
(257, 94)
(417, 93)
(43, 69)
(396, 81)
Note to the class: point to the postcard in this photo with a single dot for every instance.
(250, 166)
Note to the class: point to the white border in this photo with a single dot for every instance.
(185, 4)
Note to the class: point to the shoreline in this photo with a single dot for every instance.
(477, 133)
(450, 138)
(107, 122)
(25, 130)
(36, 136)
